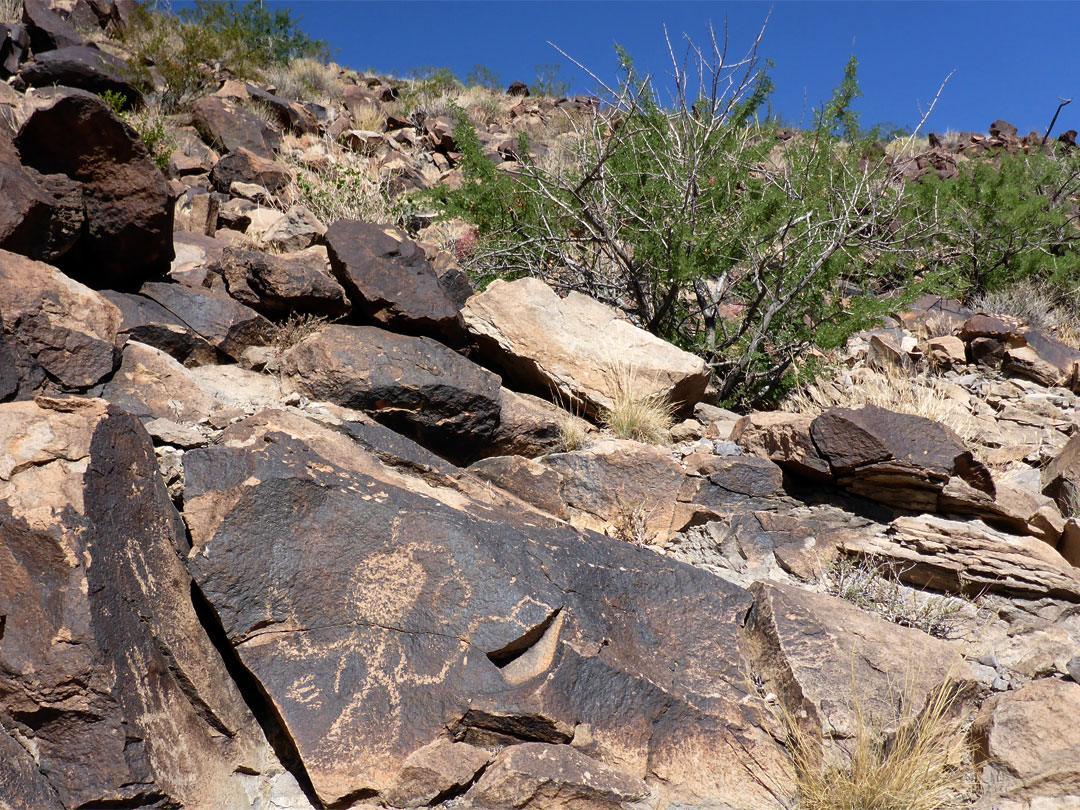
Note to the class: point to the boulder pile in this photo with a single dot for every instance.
(292, 518)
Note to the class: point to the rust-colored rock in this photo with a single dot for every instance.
(783, 438)
(106, 672)
(227, 128)
(827, 660)
(538, 776)
(434, 771)
(1028, 744)
(242, 165)
(970, 557)
(895, 458)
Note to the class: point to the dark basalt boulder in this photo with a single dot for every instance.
(41, 216)
(106, 672)
(221, 321)
(226, 127)
(58, 333)
(450, 616)
(146, 321)
(411, 384)
(280, 285)
(127, 237)
(83, 67)
(244, 166)
(389, 279)
(47, 29)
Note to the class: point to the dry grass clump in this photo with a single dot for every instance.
(348, 189)
(263, 111)
(1031, 302)
(369, 118)
(307, 80)
(874, 586)
(632, 522)
(915, 394)
(643, 419)
(11, 11)
(922, 765)
(294, 329)
(572, 435)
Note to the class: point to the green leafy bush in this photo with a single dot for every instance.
(481, 76)
(270, 36)
(148, 125)
(694, 221)
(1004, 219)
(179, 56)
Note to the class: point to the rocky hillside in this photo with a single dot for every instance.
(291, 517)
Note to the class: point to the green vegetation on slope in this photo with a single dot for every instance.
(695, 220)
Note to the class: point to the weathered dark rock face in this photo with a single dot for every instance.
(228, 128)
(127, 237)
(83, 67)
(105, 670)
(58, 333)
(221, 321)
(412, 384)
(278, 285)
(244, 166)
(148, 322)
(894, 458)
(40, 216)
(389, 279)
(46, 28)
(447, 614)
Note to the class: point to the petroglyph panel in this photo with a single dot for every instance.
(381, 613)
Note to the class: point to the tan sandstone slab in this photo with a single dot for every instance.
(577, 348)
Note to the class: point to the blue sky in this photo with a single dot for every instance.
(1011, 59)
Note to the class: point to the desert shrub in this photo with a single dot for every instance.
(295, 328)
(481, 76)
(430, 91)
(187, 50)
(1004, 219)
(875, 586)
(683, 218)
(148, 123)
(271, 36)
(572, 435)
(549, 81)
(151, 128)
(342, 191)
(1037, 303)
(306, 80)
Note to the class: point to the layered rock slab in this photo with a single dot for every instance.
(1028, 744)
(106, 673)
(577, 349)
(414, 385)
(441, 612)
